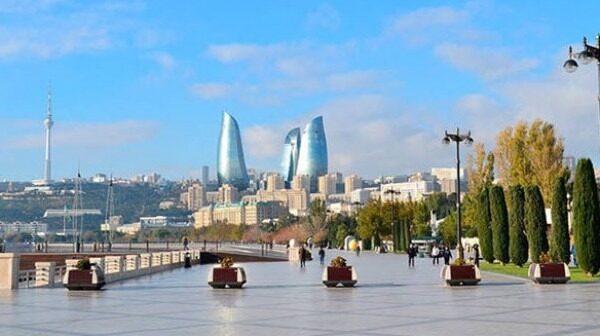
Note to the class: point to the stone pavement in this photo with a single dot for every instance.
(282, 299)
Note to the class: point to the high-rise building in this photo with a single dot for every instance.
(291, 151)
(351, 183)
(196, 196)
(48, 123)
(228, 194)
(205, 175)
(327, 184)
(275, 182)
(301, 182)
(312, 160)
(231, 167)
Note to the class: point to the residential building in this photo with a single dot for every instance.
(351, 183)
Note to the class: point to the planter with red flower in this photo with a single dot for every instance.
(549, 272)
(226, 275)
(339, 273)
(459, 273)
(85, 276)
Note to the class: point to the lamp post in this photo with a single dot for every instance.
(458, 138)
(586, 56)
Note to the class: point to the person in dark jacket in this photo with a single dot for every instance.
(412, 253)
(302, 255)
(322, 255)
(476, 251)
(447, 255)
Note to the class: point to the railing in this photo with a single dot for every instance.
(47, 274)
(27, 278)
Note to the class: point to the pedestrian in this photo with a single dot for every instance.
(185, 243)
(476, 251)
(447, 255)
(357, 250)
(322, 255)
(435, 254)
(574, 255)
(302, 255)
(412, 253)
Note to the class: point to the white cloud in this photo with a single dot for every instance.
(427, 17)
(366, 134)
(235, 52)
(27, 6)
(89, 135)
(211, 91)
(164, 59)
(487, 63)
(324, 16)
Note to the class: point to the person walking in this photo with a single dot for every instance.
(322, 255)
(476, 252)
(447, 255)
(412, 253)
(435, 254)
(302, 256)
(357, 250)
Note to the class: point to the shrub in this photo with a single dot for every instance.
(484, 230)
(499, 217)
(518, 247)
(535, 222)
(559, 249)
(586, 217)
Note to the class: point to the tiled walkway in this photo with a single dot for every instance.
(282, 299)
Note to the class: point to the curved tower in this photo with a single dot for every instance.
(291, 151)
(231, 167)
(312, 160)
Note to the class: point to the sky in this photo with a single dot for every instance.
(140, 86)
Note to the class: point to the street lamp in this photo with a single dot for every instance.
(458, 138)
(586, 56)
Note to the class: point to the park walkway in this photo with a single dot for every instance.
(282, 299)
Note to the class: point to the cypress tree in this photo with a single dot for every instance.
(519, 248)
(586, 218)
(535, 222)
(559, 249)
(499, 216)
(484, 230)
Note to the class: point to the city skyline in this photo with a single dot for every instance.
(136, 85)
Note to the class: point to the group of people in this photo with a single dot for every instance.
(438, 252)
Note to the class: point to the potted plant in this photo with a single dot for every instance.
(225, 275)
(339, 273)
(461, 273)
(546, 271)
(85, 276)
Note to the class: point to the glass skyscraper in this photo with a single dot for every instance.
(312, 160)
(291, 151)
(231, 167)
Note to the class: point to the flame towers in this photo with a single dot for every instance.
(231, 167)
(291, 152)
(312, 159)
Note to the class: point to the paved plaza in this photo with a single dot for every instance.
(282, 299)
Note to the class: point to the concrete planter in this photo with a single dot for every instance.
(92, 279)
(333, 276)
(461, 275)
(233, 277)
(549, 273)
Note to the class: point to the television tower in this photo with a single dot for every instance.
(48, 123)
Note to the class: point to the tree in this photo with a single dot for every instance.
(370, 221)
(535, 222)
(340, 235)
(499, 220)
(447, 229)
(560, 247)
(484, 229)
(530, 155)
(586, 217)
(519, 248)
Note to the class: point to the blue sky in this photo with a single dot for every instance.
(139, 86)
